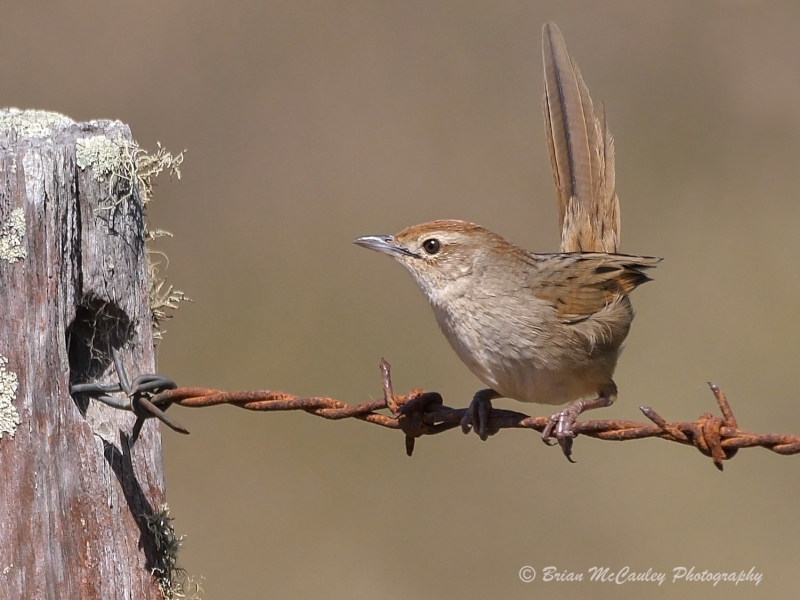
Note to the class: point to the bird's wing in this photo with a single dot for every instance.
(579, 285)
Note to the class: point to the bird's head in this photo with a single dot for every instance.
(439, 253)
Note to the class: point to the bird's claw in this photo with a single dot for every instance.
(419, 404)
(477, 414)
(561, 424)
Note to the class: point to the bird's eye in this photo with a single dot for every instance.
(431, 246)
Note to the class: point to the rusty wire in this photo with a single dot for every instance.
(420, 413)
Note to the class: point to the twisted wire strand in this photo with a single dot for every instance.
(421, 413)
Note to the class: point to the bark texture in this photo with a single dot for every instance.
(74, 496)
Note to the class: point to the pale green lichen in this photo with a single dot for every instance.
(143, 168)
(137, 165)
(9, 417)
(12, 235)
(126, 168)
(100, 153)
(32, 123)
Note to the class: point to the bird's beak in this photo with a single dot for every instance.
(383, 243)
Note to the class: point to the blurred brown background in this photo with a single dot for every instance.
(310, 123)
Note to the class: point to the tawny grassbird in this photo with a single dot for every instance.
(545, 328)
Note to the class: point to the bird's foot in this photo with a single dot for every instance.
(410, 416)
(419, 404)
(562, 422)
(477, 415)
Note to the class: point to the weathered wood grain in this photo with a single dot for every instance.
(73, 494)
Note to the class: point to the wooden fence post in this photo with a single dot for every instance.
(75, 497)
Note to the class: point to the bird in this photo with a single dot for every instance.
(545, 328)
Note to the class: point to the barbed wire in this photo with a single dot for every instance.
(421, 413)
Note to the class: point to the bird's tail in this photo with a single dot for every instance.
(581, 154)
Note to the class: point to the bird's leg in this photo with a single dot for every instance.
(563, 421)
(477, 415)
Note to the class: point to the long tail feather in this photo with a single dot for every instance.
(581, 154)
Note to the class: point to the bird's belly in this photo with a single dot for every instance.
(520, 379)
(527, 383)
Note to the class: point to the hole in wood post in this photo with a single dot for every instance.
(98, 327)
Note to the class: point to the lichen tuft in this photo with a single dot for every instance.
(9, 417)
(100, 153)
(32, 123)
(12, 235)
